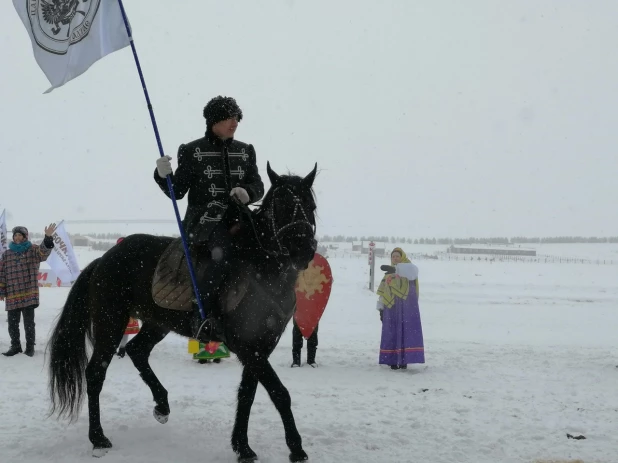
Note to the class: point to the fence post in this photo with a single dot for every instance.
(372, 265)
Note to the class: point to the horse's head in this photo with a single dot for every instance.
(289, 208)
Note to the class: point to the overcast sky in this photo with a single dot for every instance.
(442, 118)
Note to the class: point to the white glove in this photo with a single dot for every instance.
(164, 166)
(241, 194)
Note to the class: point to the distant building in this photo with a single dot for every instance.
(493, 250)
(378, 251)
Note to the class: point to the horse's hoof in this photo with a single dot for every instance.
(160, 417)
(246, 455)
(299, 456)
(99, 452)
(101, 449)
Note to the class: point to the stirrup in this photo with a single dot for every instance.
(202, 328)
(212, 329)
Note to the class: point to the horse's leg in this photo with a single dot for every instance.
(104, 350)
(280, 396)
(138, 349)
(283, 403)
(246, 394)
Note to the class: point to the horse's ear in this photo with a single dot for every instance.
(309, 179)
(275, 179)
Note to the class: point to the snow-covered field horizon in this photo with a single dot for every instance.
(517, 357)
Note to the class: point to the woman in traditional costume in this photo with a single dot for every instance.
(402, 333)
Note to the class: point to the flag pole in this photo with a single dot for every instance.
(161, 153)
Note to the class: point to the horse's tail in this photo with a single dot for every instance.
(67, 346)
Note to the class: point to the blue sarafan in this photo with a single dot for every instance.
(276, 242)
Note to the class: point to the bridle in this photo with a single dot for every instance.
(303, 218)
(272, 224)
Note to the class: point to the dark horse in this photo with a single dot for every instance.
(277, 243)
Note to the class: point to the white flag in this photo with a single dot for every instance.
(69, 36)
(62, 260)
(4, 237)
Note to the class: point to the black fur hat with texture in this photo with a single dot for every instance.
(221, 108)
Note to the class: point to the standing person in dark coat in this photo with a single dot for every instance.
(213, 169)
(19, 285)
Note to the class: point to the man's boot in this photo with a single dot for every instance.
(29, 350)
(210, 280)
(210, 275)
(312, 347)
(14, 350)
(295, 359)
(311, 357)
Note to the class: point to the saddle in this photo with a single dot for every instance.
(172, 287)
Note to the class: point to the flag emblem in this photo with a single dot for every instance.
(58, 24)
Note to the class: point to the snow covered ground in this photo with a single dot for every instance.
(518, 355)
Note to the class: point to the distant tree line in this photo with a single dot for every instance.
(472, 240)
(103, 246)
(103, 236)
(566, 239)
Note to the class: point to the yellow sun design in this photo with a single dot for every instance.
(311, 280)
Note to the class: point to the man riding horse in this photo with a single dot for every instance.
(214, 170)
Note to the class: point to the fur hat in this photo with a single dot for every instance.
(221, 108)
(22, 230)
